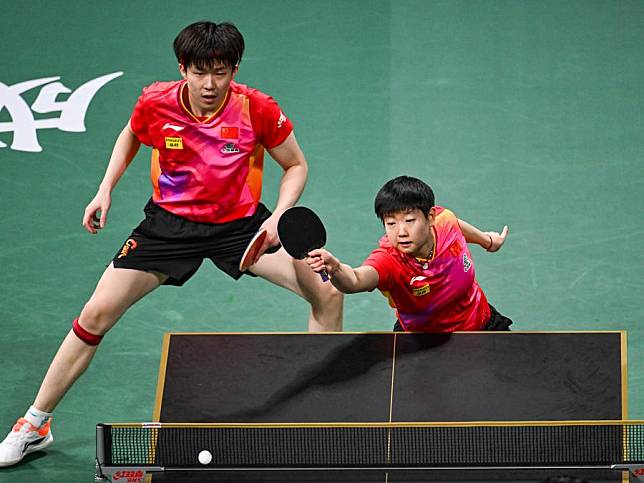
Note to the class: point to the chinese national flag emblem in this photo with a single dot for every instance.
(229, 132)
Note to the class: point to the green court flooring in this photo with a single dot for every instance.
(525, 113)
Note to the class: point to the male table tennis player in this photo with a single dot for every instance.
(423, 264)
(208, 134)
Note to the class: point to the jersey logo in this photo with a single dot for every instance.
(167, 125)
(230, 148)
(229, 132)
(281, 120)
(173, 143)
(130, 244)
(467, 263)
(419, 286)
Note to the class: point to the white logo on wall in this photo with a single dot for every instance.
(72, 110)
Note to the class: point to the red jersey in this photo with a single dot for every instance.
(208, 170)
(440, 295)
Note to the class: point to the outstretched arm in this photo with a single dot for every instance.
(489, 240)
(125, 148)
(345, 278)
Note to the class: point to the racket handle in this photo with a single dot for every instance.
(324, 276)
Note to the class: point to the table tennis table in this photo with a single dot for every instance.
(391, 378)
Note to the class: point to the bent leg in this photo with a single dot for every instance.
(117, 290)
(295, 275)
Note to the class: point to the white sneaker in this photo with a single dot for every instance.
(23, 439)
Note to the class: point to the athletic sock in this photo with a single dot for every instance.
(37, 417)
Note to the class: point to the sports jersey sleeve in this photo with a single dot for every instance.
(446, 220)
(449, 214)
(270, 124)
(380, 260)
(139, 121)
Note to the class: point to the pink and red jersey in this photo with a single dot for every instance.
(440, 295)
(208, 170)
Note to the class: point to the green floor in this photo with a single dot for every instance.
(526, 113)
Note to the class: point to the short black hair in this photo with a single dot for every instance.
(402, 194)
(202, 43)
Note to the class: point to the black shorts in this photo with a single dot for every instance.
(497, 322)
(166, 243)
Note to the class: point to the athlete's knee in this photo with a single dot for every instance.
(96, 318)
(327, 296)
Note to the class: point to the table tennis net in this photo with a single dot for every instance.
(372, 445)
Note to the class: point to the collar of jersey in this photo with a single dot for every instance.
(187, 110)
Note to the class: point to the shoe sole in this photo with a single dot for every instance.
(31, 449)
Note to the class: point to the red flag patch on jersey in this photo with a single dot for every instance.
(455, 248)
(229, 132)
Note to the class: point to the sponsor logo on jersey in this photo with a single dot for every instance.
(173, 143)
(281, 120)
(174, 127)
(419, 286)
(230, 148)
(467, 263)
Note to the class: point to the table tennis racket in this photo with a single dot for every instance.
(252, 249)
(300, 230)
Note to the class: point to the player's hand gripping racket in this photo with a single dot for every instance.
(300, 230)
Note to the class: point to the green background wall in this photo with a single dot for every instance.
(526, 113)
